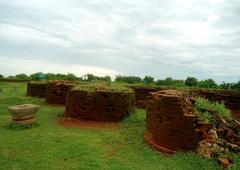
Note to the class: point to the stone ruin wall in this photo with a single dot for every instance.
(56, 92)
(36, 89)
(99, 105)
(170, 122)
(141, 94)
(231, 99)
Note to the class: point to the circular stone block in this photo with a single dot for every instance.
(24, 114)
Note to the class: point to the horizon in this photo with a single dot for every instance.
(178, 39)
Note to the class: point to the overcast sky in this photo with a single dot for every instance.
(161, 38)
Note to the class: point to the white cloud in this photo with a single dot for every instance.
(137, 37)
(32, 66)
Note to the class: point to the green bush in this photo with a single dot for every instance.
(191, 81)
(203, 106)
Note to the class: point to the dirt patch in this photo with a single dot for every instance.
(83, 124)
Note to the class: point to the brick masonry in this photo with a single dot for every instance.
(99, 105)
(141, 94)
(37, 89)
(231, 99)
(170, 122)
(56, 92)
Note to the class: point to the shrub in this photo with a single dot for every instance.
(203, 106)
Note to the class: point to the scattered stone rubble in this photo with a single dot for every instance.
(219, 141)
(172, 126)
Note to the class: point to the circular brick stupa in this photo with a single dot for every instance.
(101, 103)
(170, 122)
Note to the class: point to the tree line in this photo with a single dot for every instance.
(147, 80)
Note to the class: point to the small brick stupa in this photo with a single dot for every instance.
(170, 122)
(100, 103)
(37, 89)
(56, 92)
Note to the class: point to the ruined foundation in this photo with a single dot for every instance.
(37, 89)
(170, 122)
(56, 92)
(99, 103)
(231, 99)
(141, 94)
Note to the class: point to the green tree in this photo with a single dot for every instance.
(35, 76)
(21, 77)
(148, 79)
(50, 76)
(191, 81)
(236, 85)
(168, 81)
(227, 86)
(209, 83)
(1, 76)
(71, 76)
(128, 79)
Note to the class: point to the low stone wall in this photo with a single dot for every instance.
(231, 99)
(56, 92)
(99, 105)
(37, 89)
(141, 94)
(170, 122)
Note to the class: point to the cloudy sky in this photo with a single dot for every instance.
(161, 38)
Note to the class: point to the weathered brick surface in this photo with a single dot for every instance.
(99, 105)
(141, 94)
(170, 122)
(56, 92)
(37, 89)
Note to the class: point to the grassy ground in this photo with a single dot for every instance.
(50, 146)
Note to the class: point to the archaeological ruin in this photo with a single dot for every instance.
(141, 93)
(231, 99)
(37, 89)
(56, 92)
(103, 103)
(171, 123)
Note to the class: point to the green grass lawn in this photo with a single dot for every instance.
(51, 146)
